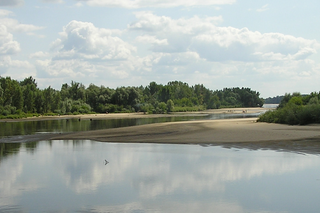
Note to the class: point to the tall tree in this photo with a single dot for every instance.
(28, 96)
(48, 99)
(38, 101)
(1, 95)
(17, 96)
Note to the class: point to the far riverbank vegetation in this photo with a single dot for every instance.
(20, 99)
(295, 109)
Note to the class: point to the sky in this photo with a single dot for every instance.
(270, 46)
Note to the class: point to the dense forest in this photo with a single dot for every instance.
(295, 109)
(24, 98)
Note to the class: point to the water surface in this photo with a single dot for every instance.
(20, 128)
(71, 176)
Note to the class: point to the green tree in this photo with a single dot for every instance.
(120, 97)
(28, 97)
(313, 100)
(153, 88)
(1, 95)
(29, 81)
(48, 99)
(17, 97)
(39, 101)
(165, 94)
(29, 87)
(56, 102)
(64, 92)
(134, 96)
(77, 91)
(93, 92)
(214, 102)
(170, 105)
(297, 100)
(162, 108)
(7, 90)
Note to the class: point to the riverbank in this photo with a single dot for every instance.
(200, 132)
(140, 115)
(187, 132)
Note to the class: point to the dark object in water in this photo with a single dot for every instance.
(106, 162)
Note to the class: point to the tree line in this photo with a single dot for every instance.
(273, 100)
(24, 98)
(295, 109)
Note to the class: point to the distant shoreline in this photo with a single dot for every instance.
(139, 114)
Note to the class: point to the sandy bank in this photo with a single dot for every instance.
(140, 115)
(201, 132)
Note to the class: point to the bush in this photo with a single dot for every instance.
(309, 114)
(293, 114)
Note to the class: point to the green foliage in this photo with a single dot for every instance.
(189, 109)
(170, 105)
(313, 100)
(297, 100)
(24, 98)
(295, 109)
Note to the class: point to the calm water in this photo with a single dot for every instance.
(71, 176)
(73, 125)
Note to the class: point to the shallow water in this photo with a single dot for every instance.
(74, 125)
(71, 176)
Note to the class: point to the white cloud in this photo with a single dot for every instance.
(8, 48)
(157, 3)
(39, 54)
(150, 23)
(263, 8)
(64, 68)
(194, 50)
(5, 13)
(16, 69)
(151, 40)
(84, 52)
(11, 2)
(83, 40)
(177, 59)
(202, 35)
(53, 1)
(14, 25)
(7, 45)
(304, 53)
(78, 4)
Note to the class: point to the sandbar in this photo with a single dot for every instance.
(229, 133)
(201, 132)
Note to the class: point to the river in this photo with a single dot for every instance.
(89, 176)
(73, 176)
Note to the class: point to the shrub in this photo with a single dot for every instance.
(293, 114)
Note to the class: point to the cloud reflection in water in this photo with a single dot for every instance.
(171, 178)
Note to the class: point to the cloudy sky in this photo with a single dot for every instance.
(270, 46)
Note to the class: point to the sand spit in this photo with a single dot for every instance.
(241, 133)
(199, 132)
